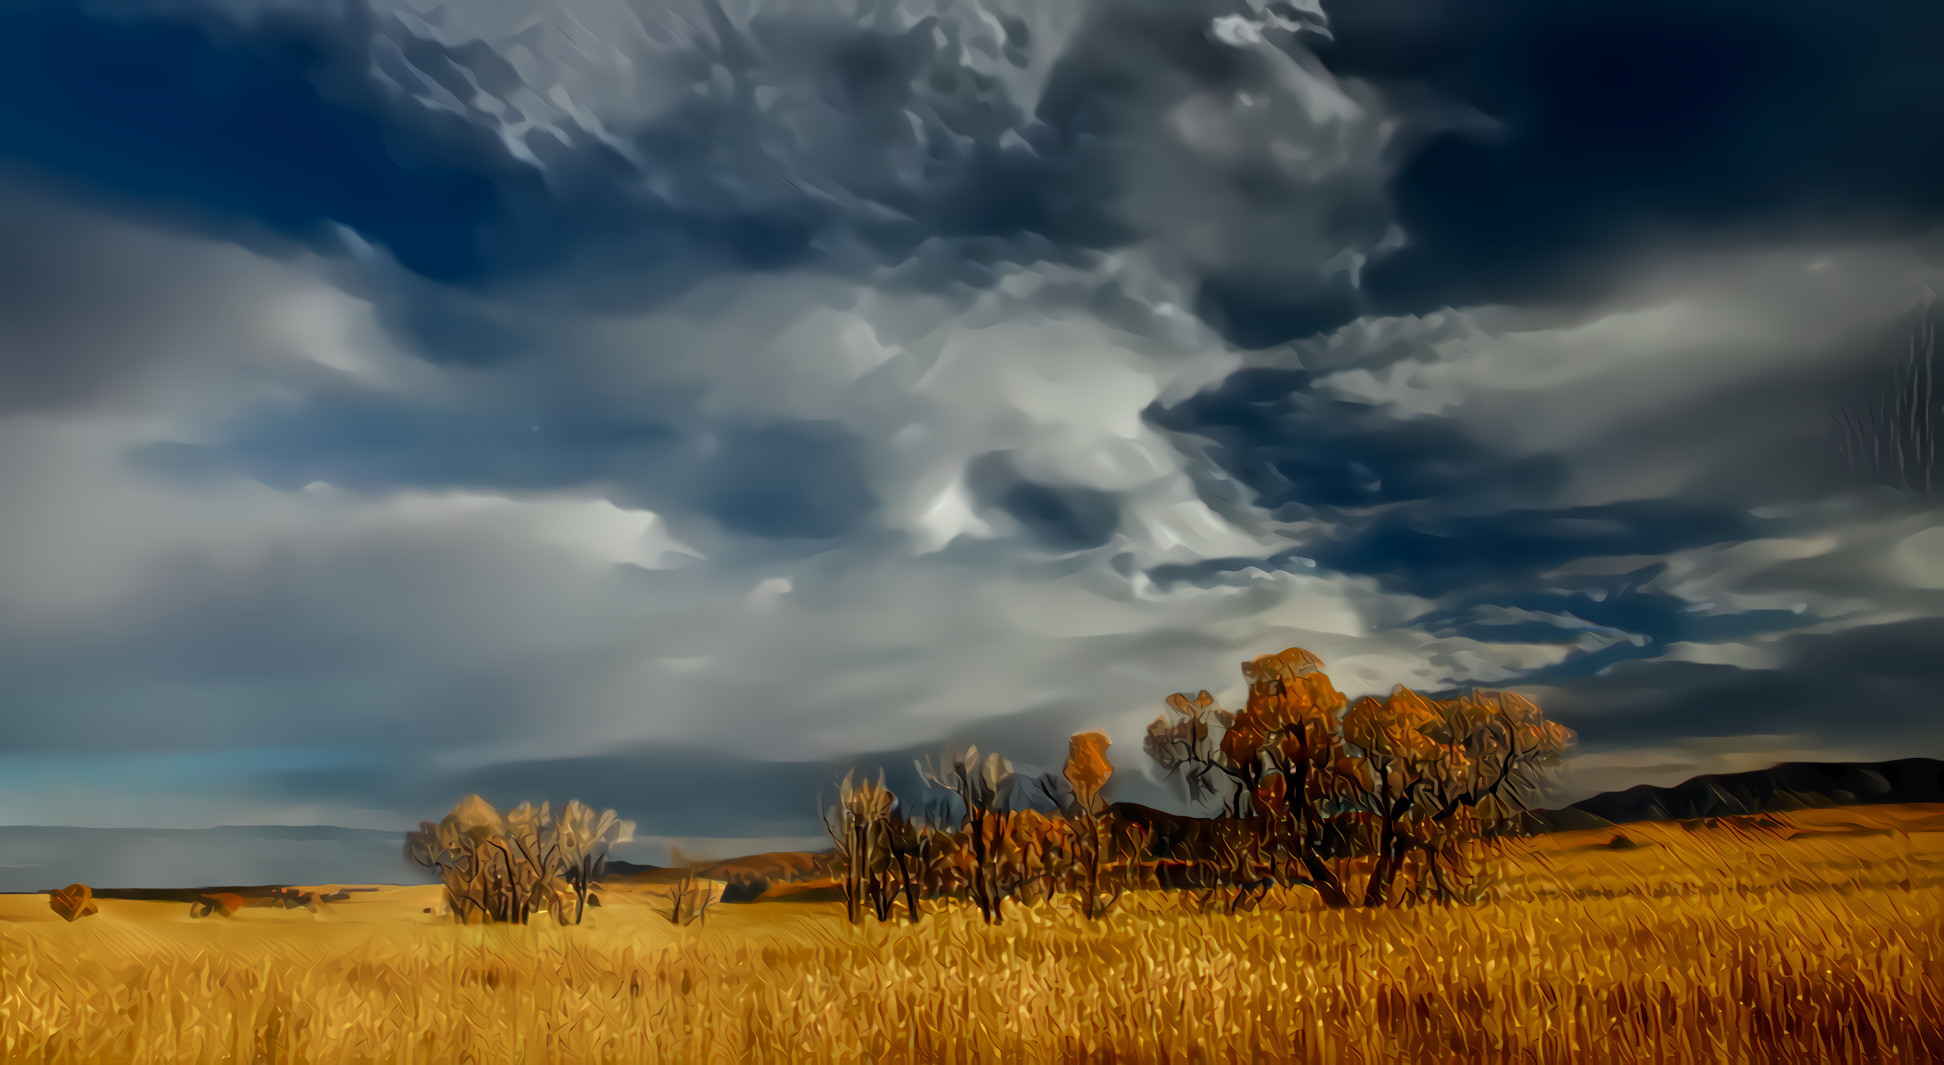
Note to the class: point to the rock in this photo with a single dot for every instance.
(73, 902)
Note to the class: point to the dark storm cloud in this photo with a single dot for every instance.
(1876, 683)
(1719, 118)
(1270, 233)
(777, 480)
(165, 112)
(92, 311)
(1300, 449)
(1262, 312)
(1429, 511)
(51, 277)
(291, 650)
(1611, 618)
(678, 791)
(275, 124)
(803, 480)
(273, 128)
(886, 148)
(1618, 124)
(375, 442)
(1433, 512)
(1063, 517)
(1490, 576)
(668, 790)
(724, 278)
(1436, 554)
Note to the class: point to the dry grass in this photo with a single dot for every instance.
(1709, 945)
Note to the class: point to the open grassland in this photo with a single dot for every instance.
(1821, 940)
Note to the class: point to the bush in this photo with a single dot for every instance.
(505, 868)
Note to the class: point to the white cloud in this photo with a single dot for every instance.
(1743, 655)
(1918, 559)
(1698, 335)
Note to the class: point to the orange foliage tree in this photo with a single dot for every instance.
(1087, 772)
(1306, 782)
(1443, 770)
(1430, 774)
(1290, 730)
(1281, 758)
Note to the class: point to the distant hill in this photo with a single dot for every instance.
(774, 866)
(133, 861)
(1168, 833)
(1777, 789)
(36, 858)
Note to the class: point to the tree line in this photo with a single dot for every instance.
(1305, 785)
(1307, 790)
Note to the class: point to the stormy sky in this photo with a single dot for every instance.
(670, 403)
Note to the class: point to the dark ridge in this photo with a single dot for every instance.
(774, 866)
(252, 894)
(1168, 834)
(1777, 789)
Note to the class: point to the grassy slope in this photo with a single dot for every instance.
(1689, 945)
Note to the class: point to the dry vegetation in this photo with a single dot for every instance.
(1306, 782)
(1362, 895)
(1819, 939)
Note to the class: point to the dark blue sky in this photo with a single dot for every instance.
(670, 403)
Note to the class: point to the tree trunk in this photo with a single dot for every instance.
(1445, 894)
(981, 870)
(910, 888)
(1095, 845)
(854, 876)
(1390, 858)
(1325, 879)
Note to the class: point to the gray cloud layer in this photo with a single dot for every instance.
(673, 404)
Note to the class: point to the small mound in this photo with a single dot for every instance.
(73, 902)
(805, 891)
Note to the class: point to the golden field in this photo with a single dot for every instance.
(1819, 941)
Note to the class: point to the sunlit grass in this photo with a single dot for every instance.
(1712, 945)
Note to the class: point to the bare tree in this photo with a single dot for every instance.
(861, 827)
(584, 839)
(1189, 748)
(911, 845)
(688, 899)
(506, 867)
(982, 787)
